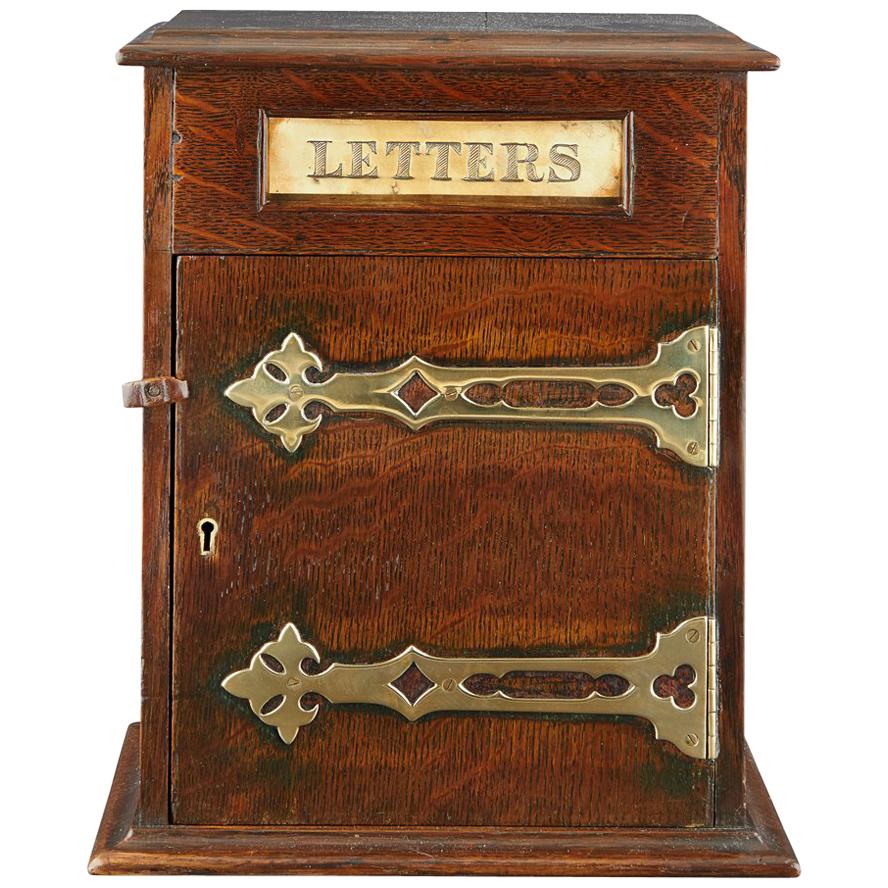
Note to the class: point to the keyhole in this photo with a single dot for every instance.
(207, 529)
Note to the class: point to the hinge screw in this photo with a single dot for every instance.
(693, 635)
(152, 390)
(449, 684)
(293, 682)
(451, 393)
(295, 392)
(692, 739)
(693, 345)
(693, 447)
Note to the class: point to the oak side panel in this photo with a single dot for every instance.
(462, 538)
(217, 162)
(729, 478)
(157, 437)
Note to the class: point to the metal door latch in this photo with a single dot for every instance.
(154, 391)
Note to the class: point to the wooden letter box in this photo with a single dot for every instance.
(443, 485)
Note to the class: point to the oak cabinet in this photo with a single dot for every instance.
(443, 449)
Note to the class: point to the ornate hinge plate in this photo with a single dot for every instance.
(672, 687)
(675, 395)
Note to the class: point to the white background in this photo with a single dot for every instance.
(71, 327)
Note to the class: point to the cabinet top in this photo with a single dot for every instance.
(204, 38)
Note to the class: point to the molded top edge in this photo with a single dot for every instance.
(388, 39)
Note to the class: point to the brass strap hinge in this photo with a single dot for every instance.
(712, 691)
(154, 391)
(675, 395)
(672, 686)
(712, 394)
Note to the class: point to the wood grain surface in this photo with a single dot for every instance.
(203, 38)
(217, 156)
(157, 439)
(463, 539)
(757, 848)
(730, 509)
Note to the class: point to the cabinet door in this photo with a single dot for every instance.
(463, 538)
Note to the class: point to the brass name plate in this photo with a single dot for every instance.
(583, 160)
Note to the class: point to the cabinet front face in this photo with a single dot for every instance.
(474, 536)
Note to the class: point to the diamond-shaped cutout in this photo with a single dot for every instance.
(416, 392)
(413, 683)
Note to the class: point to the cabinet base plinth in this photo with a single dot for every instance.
(123, 847)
